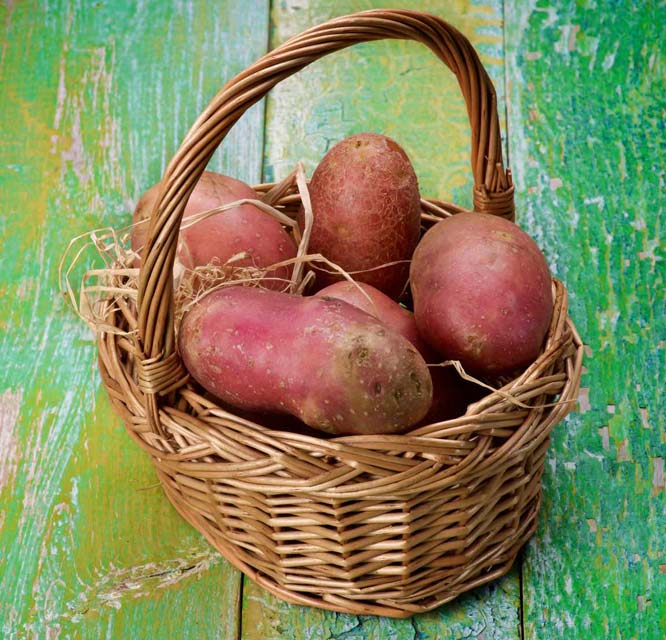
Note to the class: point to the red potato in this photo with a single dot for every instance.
(451, 395)
(218, 238)
(482, 293)
(366, 212)
(378, 304)
(331, 365)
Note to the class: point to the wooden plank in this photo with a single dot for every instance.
(586, 110)
(402, 90)
(95, 99)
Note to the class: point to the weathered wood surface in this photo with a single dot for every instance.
(398, 88)
(96, 97)
(587, 106)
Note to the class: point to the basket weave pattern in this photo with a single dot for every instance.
(390, 525)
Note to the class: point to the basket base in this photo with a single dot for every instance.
(349, 605)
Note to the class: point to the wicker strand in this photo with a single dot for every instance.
(160, 376)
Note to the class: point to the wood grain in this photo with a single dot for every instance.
(97, 97)
(586, 114)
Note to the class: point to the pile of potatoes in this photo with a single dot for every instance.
(359, 356)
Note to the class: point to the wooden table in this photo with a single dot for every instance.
(96, 97)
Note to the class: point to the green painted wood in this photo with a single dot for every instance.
(95, 98)
(400, 89)
(587, 105)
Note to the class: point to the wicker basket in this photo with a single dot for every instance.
(387, 525)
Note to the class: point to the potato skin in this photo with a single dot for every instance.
(331, 365)
(366, 212)
(380, 306)
(482, 293)
(218, 238)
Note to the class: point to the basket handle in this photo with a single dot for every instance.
(493, 190)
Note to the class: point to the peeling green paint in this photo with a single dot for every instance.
(587, 144)
(89, 546)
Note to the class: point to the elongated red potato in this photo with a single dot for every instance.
(331, 365)
(482, 293)
(366, 212)
(242, 229)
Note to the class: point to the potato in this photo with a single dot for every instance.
(378, 304)
(331, 365)
(451, 395)
(482, 293)
(216, 239)
(366, 212)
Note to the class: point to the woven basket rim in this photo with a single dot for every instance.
(507, 408)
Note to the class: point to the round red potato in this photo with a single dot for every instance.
(482, 293)
(366, 212)
(378, 304)
(451, 394)
(331, 365)
(220, 237)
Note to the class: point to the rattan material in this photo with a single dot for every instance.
(389, 525)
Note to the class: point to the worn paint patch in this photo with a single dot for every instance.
(37, 486)
(114, 585)
(10, 406)
(658, 477)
